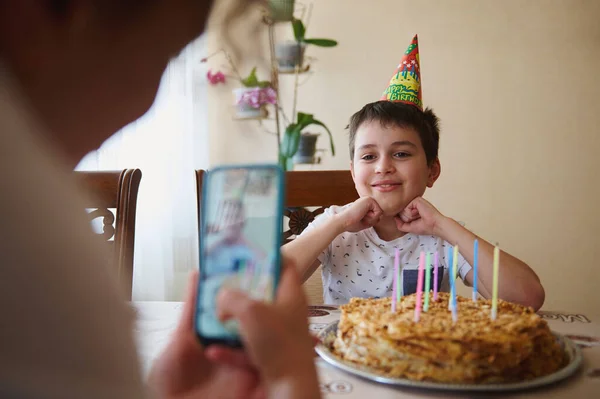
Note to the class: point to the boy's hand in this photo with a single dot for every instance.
(419, 217)
(408, 214)
(365, 212)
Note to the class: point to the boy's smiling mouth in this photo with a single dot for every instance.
(386, 185)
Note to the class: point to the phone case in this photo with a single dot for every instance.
(206, 229)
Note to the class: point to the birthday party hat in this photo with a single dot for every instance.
(405, 85)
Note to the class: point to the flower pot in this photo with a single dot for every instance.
(281, 10)
(307, 148)
(289, 54)
(245, 109)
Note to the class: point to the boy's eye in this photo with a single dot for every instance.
(401, 154)
(367, 157)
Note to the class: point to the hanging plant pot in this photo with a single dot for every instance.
(306, 148)
(281, 10)
(251, 102)
(289, 54)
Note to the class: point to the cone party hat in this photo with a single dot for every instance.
(405, 84)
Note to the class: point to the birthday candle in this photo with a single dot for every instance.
(420, 286)
(475, 262)
(436, 262)
(454, 274)
(454, 314)
(449, 263)
(495, 283)
(427, 281)
(395, 282)
(400, 277)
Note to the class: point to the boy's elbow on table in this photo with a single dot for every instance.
(535, 296)
(527, 293)
(533, 292)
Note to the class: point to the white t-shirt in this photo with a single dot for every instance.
(65, 330)
(361, 264)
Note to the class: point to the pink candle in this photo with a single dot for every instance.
(395, 280)
(436, 261)
(420, 286)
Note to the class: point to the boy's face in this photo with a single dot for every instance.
(390, 166)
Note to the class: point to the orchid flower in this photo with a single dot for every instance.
(258, 97)
(215, 78)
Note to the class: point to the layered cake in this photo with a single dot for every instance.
(517, 346)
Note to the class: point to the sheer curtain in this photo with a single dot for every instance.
(167, 144)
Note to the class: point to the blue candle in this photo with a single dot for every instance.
(475, 262)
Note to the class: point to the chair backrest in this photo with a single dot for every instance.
(307, 194)
(314, 189)
(116, 190)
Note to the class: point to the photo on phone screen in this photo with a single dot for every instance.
(241, 220)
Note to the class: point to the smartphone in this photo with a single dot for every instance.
(241, 216)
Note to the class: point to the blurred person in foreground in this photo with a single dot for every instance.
(73, 72)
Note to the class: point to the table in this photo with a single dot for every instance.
(156, 321)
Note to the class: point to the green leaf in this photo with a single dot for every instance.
(321, 42)
(289, 164)
(291, 140)
(299, 30)
(316, 122)
(303, 119)
(263, 84)
(283, 162)
(251, 80)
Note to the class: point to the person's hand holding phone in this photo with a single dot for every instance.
(186, 370)
(275, 337)
(278, 361)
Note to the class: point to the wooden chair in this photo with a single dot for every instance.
(314, 189)
(116, 190)
(307, 194)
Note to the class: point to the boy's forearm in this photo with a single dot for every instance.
(305, 249)
(517, 282)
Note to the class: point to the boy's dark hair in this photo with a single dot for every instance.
(426, 123)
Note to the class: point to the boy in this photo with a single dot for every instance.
(394, 158)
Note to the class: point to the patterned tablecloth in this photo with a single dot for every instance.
(156, 321)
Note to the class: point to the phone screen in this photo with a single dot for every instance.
(241, 221)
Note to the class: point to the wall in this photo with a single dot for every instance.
(516, 85)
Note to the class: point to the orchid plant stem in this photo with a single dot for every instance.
(297, 73)
(275, 84)
(285, 118)
(230, 61)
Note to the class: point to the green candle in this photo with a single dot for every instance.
(427, 281)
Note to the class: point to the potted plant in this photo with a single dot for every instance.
(252, 98)
(307, 148)
(290, 54)
(293, 136)
(295, 144)
(281, 10)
